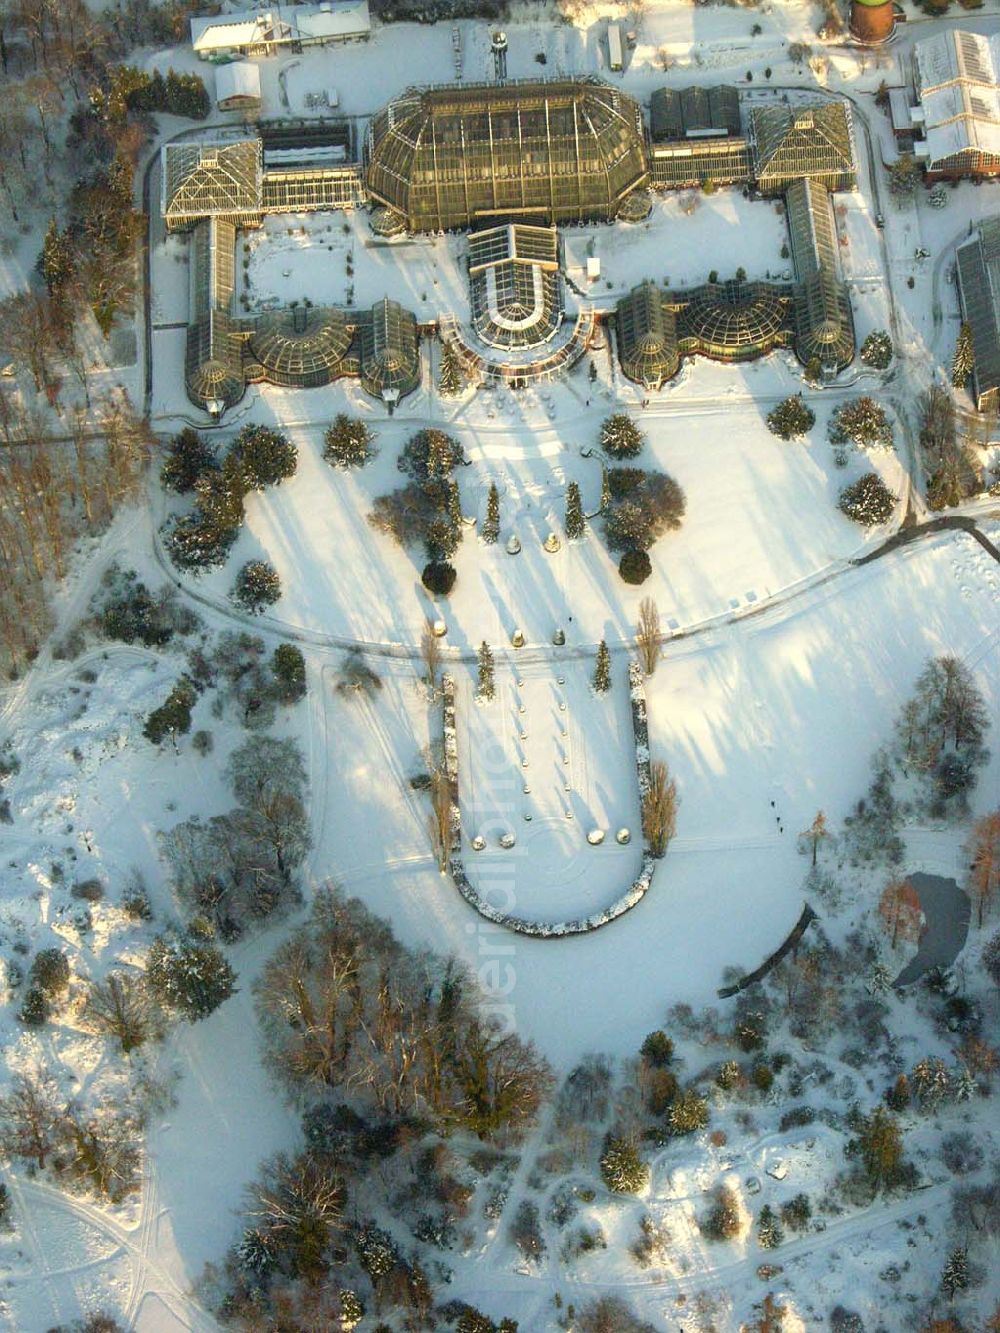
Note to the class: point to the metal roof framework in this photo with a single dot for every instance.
(789, 142)
(562, 150)
(676, 113)
(211, 179)
(515, 286)
(647, 337)
(979, 293)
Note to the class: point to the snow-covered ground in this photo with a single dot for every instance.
(761, 517)
(787, 669)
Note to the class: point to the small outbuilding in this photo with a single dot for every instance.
(237, 87)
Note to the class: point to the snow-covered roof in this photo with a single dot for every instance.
(958, 81)
(237, 80)
(294, 23)
(956, 56)
(347, 18)
(979, 289)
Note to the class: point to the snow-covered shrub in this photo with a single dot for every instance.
(357, 677)
(620, 436)
(867, 501)
(797, 1212)
(608, 1313)
(50, 972)
(35, 1008)
(135, 901)
(862, 421)
(653, 1242)
(348, 442)
(729, 1076)
(876, 350)
(622, 1168)
(723, 1221)
(124, 609)
(845, 1321)
(643, 505)
(791, 419)
(961, 1154)
(202, 742)
(257, 586)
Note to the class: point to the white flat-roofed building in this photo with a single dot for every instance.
(260, 32)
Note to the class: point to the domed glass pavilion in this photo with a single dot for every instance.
(552, 152)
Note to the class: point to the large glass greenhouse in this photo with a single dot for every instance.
(558, 151)
(735, 321)
(790, 142)
(647, 337)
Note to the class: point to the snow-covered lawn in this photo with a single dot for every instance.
(761, 516)
(785, 708)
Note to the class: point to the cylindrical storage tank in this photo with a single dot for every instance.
(872, 21)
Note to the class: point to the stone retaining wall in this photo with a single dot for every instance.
(456, 862)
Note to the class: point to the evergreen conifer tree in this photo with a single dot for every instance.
(455, 510)
(173, 717)
(575, 526)
(189, 975)
(605, 490)
(491, 523)
(288, 667)
(451, 380)
(769, 1232)
(602, 670)
(487, 682)
(965, 358)
(955, 1277)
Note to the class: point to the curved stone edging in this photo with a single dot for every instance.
(636, 891)
(795, 934)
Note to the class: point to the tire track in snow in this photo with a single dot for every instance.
(181, 1303)
(150, 1199)
(40, 1262)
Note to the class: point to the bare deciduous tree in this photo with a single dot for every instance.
(899, 908)
(31, 1118)
(430, 654)
(815, 834)
(647, 635)
(659, 809)
(439, 820)
(119, 1007)
(297, 1204)
(104, 1152)
(984, 874)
